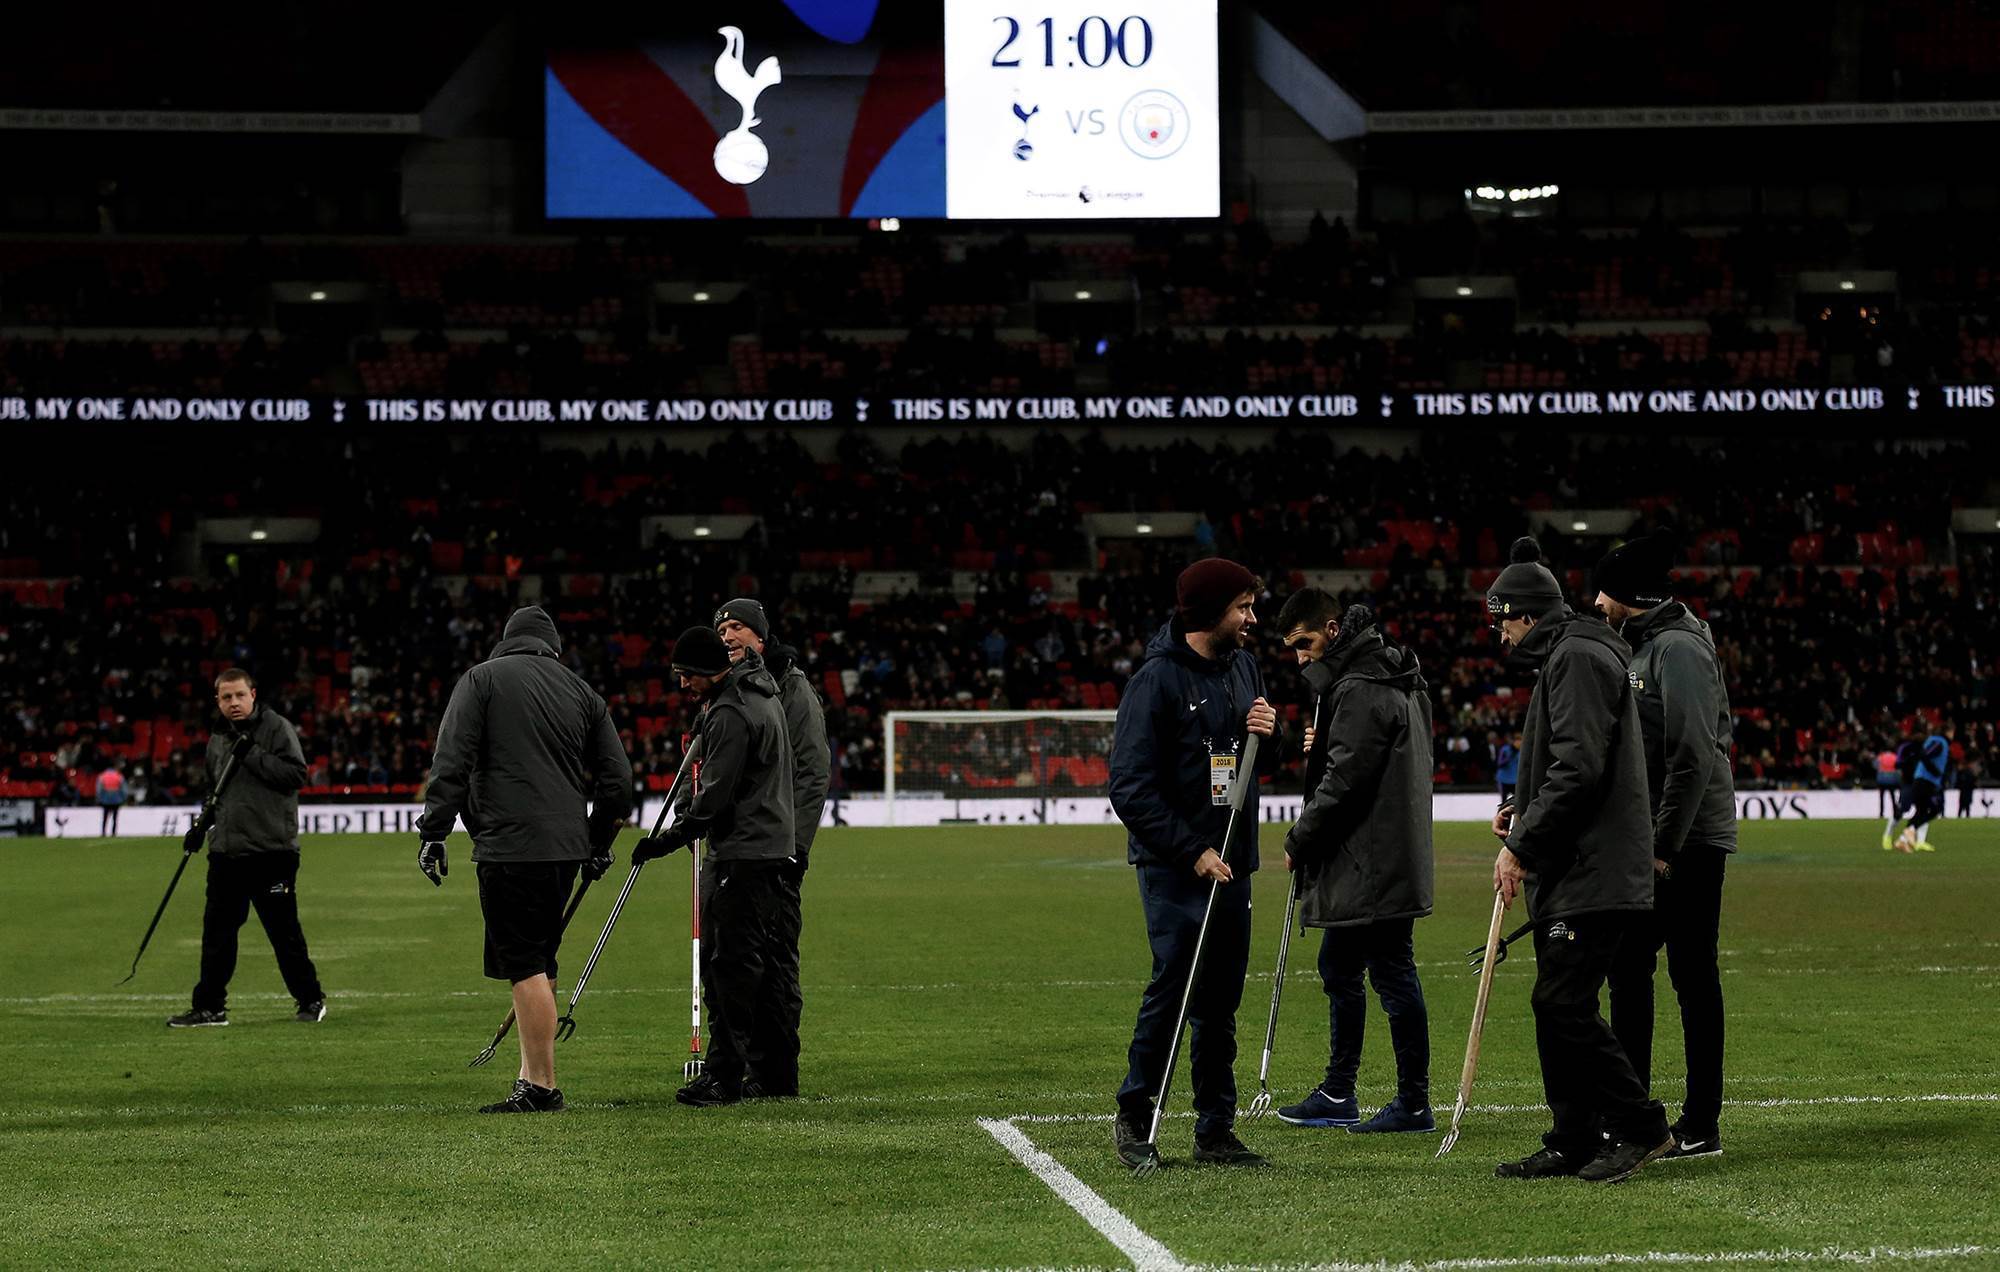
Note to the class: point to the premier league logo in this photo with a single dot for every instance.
(1022, 150)
(1154, 124)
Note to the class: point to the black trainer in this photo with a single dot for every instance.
(1622, 1159)
(196, 1018)
(311, 1013)
(1128, 1135)
(707, 1092)
(1224, 1149)
(528, 1098)
(1544, 1163)
(1689, 1144)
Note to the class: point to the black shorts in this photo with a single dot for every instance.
(523, 902)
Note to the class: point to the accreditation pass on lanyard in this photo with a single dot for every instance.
(1221, 774)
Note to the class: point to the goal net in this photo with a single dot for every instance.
(991, 766)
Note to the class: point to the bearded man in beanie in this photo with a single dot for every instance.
(1176, 747)
(746, 630)
(1684, 719)
(742, 805)
(524, 745)
(1578, 835)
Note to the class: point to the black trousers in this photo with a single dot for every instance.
(1174, 900)
(108, 823)
(1965, 801)
(1687, 911)
(741, 931)
(269, 882)
(1387, 954)
(1586, 1077)
(774, 1033)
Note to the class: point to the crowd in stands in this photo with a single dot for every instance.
(1847, 610)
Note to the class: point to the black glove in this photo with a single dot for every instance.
(432, 861)
(242, 747)
(597, 865)
(653, 847)
(191, 842)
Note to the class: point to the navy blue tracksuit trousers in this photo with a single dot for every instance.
(1174, 901)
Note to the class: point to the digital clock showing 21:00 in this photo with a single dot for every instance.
(1095, 42)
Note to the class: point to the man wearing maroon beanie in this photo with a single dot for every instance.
(1182, 724)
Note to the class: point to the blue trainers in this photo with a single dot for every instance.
(1397, 1118)
(1321, 1109)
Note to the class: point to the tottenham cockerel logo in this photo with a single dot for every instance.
(741, 157)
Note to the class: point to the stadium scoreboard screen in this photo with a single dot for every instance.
(971, 109)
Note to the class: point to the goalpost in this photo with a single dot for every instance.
(976, 758)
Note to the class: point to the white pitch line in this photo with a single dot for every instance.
(1782, 1102)
(1650, 1258)
(1147, 1254)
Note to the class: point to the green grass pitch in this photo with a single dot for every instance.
(953, 975)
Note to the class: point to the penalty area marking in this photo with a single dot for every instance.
(1149, 1254)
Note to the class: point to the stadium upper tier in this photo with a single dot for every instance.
(1545, 306)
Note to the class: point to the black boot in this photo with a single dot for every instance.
(528, 1098)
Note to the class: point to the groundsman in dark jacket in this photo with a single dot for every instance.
(1579, 832)
(1684, 718)
(253, 852)
(742, 805)
(746, 629)
(528, 755)
(1363, 846)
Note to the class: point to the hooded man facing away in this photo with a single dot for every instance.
(528, 755)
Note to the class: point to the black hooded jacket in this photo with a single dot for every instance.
(1364, 835)
(524, 746)
(1583, 828)
(1177, 706)
(742, 797)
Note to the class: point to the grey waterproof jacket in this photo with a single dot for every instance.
(1364, 835)
(742, 798)
(1684, 715)
(528, 754)
(812, 758)
(1582, 826)
(260, 810)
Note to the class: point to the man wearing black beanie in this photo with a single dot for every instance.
(1578, 836)
(746, 630)
(1181, 729)
(1684, 719)
(742, 805)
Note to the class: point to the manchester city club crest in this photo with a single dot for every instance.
(1154, 124)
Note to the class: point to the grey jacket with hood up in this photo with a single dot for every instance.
(1684, 715)
(528, 754)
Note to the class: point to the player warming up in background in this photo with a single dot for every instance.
(523, 747)
(253, 854)
(1180, 733)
